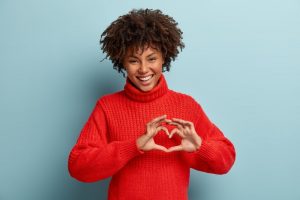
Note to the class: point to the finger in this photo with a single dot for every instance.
(158, 120)
(180, 127)
(168, 120)
(184, 129)
(159, 147)
(162, 128)
(175, 148)
(176, 130)
(154, 123)
(183, 122)
(165, 129)
(187, 130)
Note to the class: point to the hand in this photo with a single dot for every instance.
(146, 141)
(191, 141)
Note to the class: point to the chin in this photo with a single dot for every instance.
(146, 89)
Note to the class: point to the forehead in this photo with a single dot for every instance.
(140, 51)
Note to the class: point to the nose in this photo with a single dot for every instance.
(143, 69)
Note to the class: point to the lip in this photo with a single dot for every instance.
(145, 83)
(145, 76)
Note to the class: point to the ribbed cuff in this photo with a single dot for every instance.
(129, 149)
(206, 151)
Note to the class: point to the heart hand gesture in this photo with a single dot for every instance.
(190, 142)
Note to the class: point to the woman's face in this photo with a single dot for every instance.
(143, 68)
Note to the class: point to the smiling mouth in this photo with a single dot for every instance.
(145, 78)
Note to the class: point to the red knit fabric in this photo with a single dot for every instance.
(107, 145)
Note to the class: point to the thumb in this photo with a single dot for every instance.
(161, 148)
(175, 148)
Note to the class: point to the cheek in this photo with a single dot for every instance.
(158, 68)
(130, 73)
(130, 70)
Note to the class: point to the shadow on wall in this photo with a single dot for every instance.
(89, 191)
(199, 185)
(101, 81)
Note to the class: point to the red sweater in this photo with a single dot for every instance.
(107, 145)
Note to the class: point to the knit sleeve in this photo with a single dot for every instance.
(216, 154)
(93, 158)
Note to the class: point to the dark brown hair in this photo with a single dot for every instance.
(140, 28)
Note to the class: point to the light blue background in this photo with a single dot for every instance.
(241, 63)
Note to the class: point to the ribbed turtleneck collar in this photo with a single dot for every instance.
(138, 95)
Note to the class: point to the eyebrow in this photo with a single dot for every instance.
(133, 56)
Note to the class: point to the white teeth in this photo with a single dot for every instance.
(145, 78)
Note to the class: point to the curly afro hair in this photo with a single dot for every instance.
(139, 29)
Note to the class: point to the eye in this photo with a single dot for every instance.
(152, 59)
(132, 61)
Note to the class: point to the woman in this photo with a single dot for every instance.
(147, 137)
